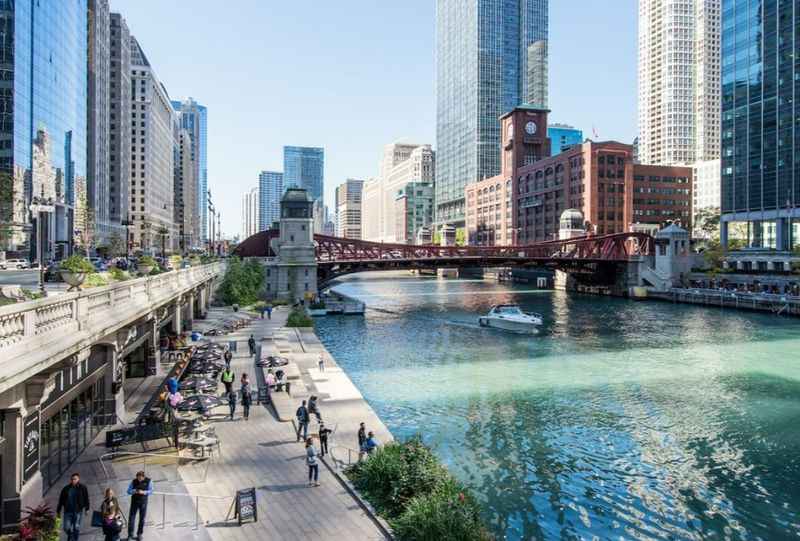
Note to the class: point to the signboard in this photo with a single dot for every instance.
(246, 507)
(136, 434)
(30, 461)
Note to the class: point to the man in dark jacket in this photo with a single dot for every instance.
(302, 421)
(251, 343)
(140, 488)
(74, 501)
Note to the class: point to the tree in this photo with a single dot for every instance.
(707, 221)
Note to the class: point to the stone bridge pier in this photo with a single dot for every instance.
(67, 364)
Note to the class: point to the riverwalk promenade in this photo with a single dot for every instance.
(193, 500)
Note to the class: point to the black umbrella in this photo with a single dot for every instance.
(273, 361)
(198, 383)
(199, 402)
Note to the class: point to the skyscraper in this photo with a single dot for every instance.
(563, 136)
(185, 209)
(270, 191)
(484, 51)
(303, 167)
(43, 133)
(152, 160)
(250, 209)
(120, 124)
(348, 209)
(98, 194)
(194, 119)
(760, 108)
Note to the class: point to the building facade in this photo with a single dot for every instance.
(187, 222)
(303, 167)
(372, 209)
(348, 208)
(413, 211)
(270, 191)
(563, 136)
(152, 158)
(250, 206)
(194, 118)
(98, 153)
(679, 81)
(43, 134)
(524, 203)
(120, 107)
(760, 108)
(483, 49)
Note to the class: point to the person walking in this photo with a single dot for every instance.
(323, 439)
(109, 500)
(74, 502)
(227, 379)
(251, 343)
(247, 397)
(269, 311)
(232, 403)
(139, 490)
(313, 408)
(228, 356)
(112, 522)
(302, 421)
(321, 363)
(362, 435)
(313, 466)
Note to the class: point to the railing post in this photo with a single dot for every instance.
(196, 512)
(29, 324)
(163, 511)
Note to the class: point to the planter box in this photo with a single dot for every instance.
(74, 279)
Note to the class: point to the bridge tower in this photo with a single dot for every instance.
(293, 276)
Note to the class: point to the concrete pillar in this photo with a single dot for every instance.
(203, 301)
(153, 352)
(177, 317)
(189, 312)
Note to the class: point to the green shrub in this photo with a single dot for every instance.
(95, 279)
(76, 264)
(449, 512)
(242, 283)
(299, 318)
(147, 261)
(119, 275)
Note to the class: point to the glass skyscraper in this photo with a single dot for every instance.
(194, 119)
(270, 191)
(487, 55)
(760, 111)
(303, 168)
(563, 136)
(43, 51)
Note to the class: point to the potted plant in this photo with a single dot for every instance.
(317, 308)
(146, 265)
(74, 270)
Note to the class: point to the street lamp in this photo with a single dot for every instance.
(38, 206)
(127, 223)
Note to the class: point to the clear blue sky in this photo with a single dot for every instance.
(354, 75)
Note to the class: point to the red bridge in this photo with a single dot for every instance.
(597, 259)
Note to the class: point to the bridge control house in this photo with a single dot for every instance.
(523, 204)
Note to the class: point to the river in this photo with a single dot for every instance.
(620, 419)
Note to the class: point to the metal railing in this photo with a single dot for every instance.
(196, 505)
(350, 453)
(178, 458)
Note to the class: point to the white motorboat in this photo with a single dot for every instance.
(510, 317)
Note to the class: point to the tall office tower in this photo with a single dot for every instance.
(348, 208)
(194, 118)
(98, 195)
(679, 74)
(152, 169)
(120, 125)
(372, 210)
(538, 74)
(270, 191)
(185, 193)
(483, 49)
(563, 136)
(303, 167)
(402, 164)
(43, 132)
(250, 207)
(760, 111)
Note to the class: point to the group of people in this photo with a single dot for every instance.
(245, 391)
(73, 505)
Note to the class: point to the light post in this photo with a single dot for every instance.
(127, 223)
(38, 206)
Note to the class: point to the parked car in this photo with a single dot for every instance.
(15, 264)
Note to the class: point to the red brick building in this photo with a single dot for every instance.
(523, 204)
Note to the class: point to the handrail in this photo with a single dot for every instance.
(144, 462)
(196, 505)
(350, 452)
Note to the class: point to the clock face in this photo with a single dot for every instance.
(530, 127)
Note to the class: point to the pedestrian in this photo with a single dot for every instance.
(323, 439)
(109, 499)
(269, 311)
(227, 378)
(112, 522)
(313, 466)
(370, 444)
(270, 379)
(232, 403)
(251, 342)
(313, 408)
(362, 435)
(172, 384)
(247, 397)
(228, 356)
(321, 363)
(302, 421)
(140, 488)
(74, 502)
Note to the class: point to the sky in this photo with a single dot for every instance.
(354, 75)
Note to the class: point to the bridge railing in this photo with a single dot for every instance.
(27, 329)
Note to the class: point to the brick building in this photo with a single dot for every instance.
(523, 204)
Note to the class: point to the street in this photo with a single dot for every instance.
(29, 279)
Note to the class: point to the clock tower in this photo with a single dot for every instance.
(524, 138)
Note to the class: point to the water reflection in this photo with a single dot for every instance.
(622, 419)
